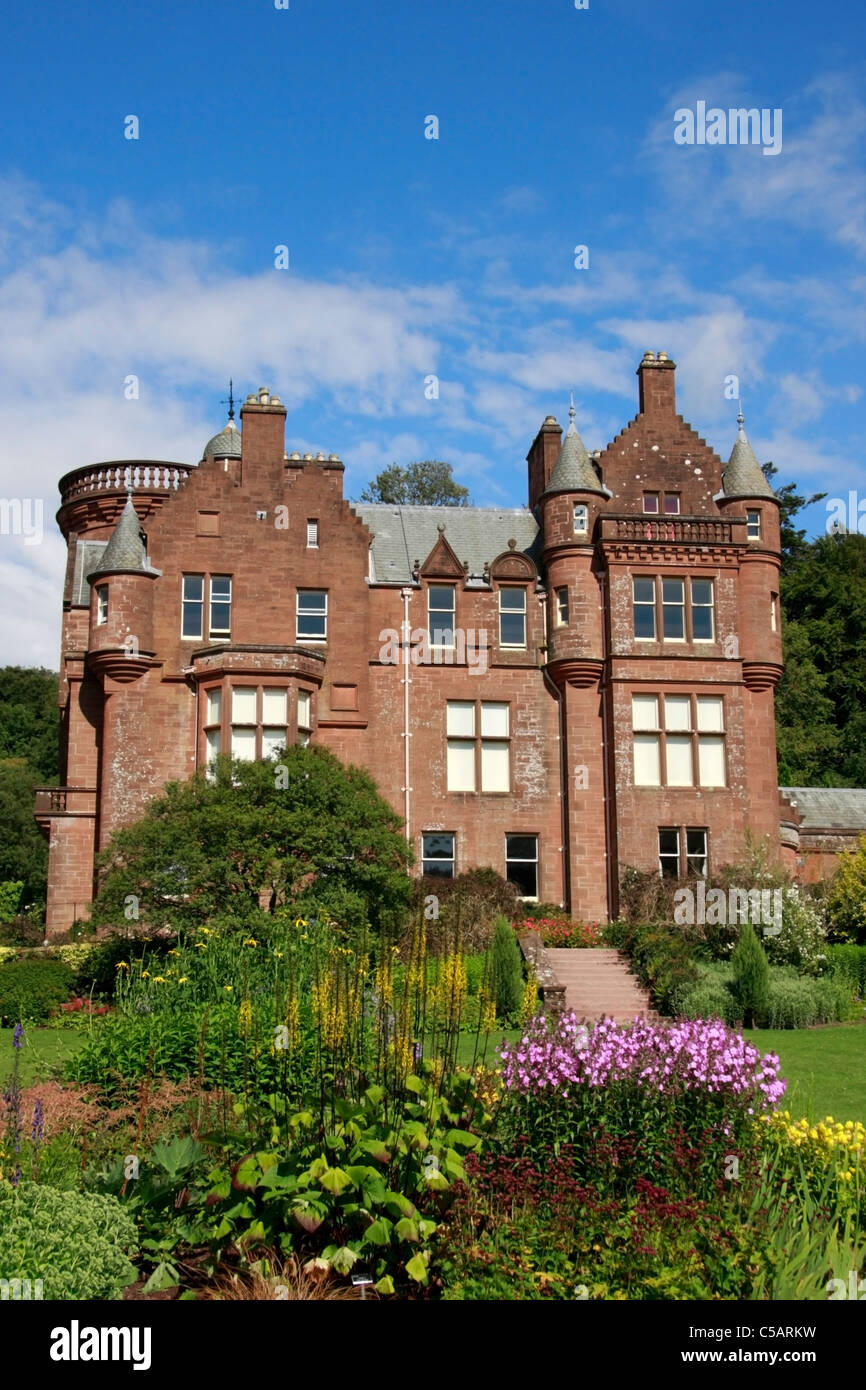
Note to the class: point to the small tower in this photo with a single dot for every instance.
(569, 509)
(747, 495)
(120, 644)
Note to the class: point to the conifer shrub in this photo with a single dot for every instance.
(751, 977)
(506, 970)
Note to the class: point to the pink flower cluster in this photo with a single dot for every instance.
(690, 1055)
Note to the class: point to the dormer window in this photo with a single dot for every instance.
(581, 518)
(101, 605)
(512, 617)
(441, 607)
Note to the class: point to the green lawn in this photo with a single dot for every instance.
(825, 1068)
(43, 1050)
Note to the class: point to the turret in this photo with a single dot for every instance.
(746, 493)
(570, 506)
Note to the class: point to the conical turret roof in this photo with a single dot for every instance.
(743, 476)
(573, 470)
(125, 550)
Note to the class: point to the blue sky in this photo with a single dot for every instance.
(305, 127)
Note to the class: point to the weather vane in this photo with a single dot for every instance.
(230, 401)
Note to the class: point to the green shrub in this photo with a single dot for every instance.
(708, 998)
(751, 976)
(794, 1001)
(31, 988)
(846, 899)
(848, 962)
(506, 969)
(76, 1243)
(468, 906)
(661, 957)
(10, 897)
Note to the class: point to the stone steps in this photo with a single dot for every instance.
(598, 984)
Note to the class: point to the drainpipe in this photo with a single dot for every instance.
(608, 753)
(406, 595)
(563, 767)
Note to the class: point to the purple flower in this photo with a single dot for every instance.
(17, 1036)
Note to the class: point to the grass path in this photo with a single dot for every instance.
(43, 1049)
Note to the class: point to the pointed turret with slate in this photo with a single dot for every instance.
(126, 551)
(743, 476)
(120, 648)
(573, 470)
(570, 506)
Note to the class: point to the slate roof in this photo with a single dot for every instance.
(743, 476)
(87, 557)
(829, 808)
(403, 535)
(573, 470)
(225, 445)
(125, 549)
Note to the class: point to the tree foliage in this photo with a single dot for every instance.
(30, 718)
(307, 832)
(821, 701)
(751, 976)
(426, 484)
(23, 848)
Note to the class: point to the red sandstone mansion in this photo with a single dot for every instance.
(556, 690)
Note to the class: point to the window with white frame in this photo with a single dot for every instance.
(101, 605)
(437, 853)
(312, 615)
(275, 718)
(651, 503)
(312, 534)
(478, 746)
(521, 864)
(562, 608)
(213, 726)
(703, 626)
(192, 606)
(244, 701)
(305, 717)
(774, 612)
(644, 600)
(441, 608)
(512, 617)
(581, 518)
(219, 624)
(673, 610)
(669, 851)
(683, 851)
(681, 611)
(753, 525)
(220, 605)
(676, 737)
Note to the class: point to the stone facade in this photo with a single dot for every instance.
(257, 604)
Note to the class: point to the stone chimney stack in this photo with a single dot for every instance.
(656, 383)
(263, 418)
